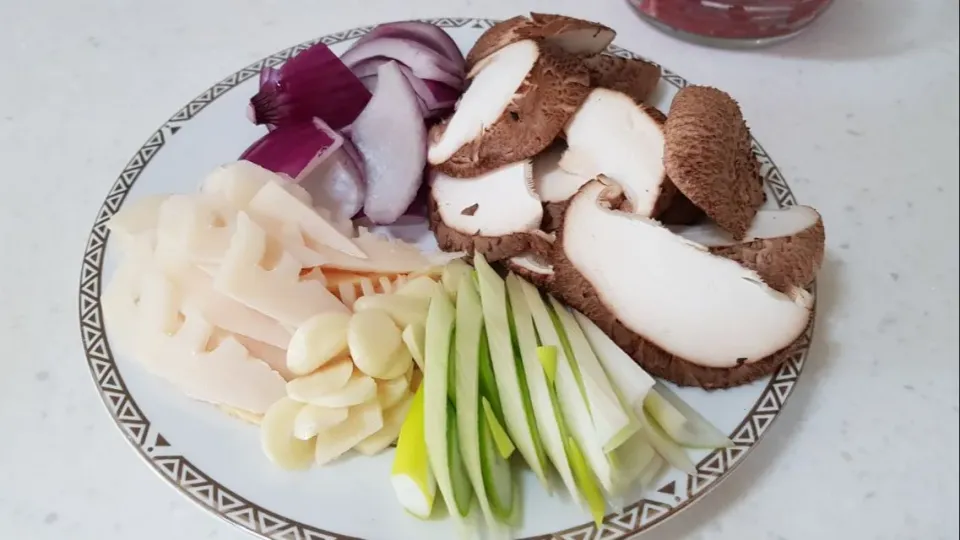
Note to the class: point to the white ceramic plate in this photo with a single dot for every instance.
(216, 460)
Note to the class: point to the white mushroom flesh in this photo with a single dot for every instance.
(552, 183)
(583, 40)
(767, 224)
(532, 263)
(703, 308)
(613, 136)
(491, 91)
(498, 203)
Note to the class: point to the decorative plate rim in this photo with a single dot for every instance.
(179, 472)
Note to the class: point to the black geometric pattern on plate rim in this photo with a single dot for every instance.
(178, 471)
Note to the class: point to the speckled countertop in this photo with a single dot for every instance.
(861, 115)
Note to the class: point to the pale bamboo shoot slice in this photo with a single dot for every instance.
(275, 202)
(278, 292)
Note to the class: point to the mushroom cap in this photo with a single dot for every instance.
(505, 119)
(634, 77)
(685, 315)
(496, 214)
(551, 182)
(708, 156)
(576, 36)
(552, 215)
(613, 135)
(681, 211)
(785, 247)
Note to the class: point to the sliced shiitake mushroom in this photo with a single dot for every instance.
(634, 77)
(613, 135)
(575, 36)
(683, 313)
(785, 247)
(518, 101)
(496, 213)
(708, 156)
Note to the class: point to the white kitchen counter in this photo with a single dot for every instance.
(861, 115)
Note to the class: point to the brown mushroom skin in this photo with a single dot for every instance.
(552, 212)
(541, 281)
(681, 212)
(709, 157)
(538, 26)
(568, 286)
(571, 288)
(635, 78)
(782, 262)
(551, 93)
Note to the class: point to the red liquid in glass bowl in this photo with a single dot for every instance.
(747, 20)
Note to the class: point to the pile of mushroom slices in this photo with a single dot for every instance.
(650, 224)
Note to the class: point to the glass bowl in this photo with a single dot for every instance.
(731, 23)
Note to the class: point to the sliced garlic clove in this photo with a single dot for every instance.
(362, 421)
(404, 310)
(313, 419)
(398, 364)
(409, 374)
(373, 339)
(392, 391)
(393, 418)
(328, 379)
(415, 379)
(318, 340)
(421, 287)
(359, 389)
(277, 438)
(415, 336)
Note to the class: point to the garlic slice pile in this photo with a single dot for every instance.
(355, 376)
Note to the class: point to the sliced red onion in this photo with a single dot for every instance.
(435, 97)
(392, 138)
(269, 76)
(351, 150)
(337, 184)
(369, 82)
(312, 84)
(294, 149)
(365, 59)
(417, 208)
(422, 33)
